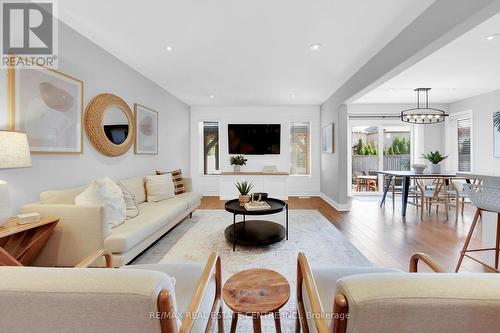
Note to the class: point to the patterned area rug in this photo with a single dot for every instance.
(310, 232)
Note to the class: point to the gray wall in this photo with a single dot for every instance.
(104, 73)
(334, 166)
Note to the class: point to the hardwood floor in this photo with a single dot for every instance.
(382, 236)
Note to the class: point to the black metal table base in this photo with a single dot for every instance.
(255, 232)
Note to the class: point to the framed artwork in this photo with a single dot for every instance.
(496, 134)
(327, 139)
(48, 106)
(146, 126)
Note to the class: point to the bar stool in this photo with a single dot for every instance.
(486, 199)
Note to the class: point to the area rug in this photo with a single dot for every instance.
(309, 232)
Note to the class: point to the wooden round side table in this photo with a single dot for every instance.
(256, 293)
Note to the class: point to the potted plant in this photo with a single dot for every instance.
(237, 161)
(435, 157)
(244, 188)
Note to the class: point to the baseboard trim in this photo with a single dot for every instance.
(340, 207)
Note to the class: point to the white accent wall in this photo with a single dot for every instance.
(101, 72)
(482, 108)
(284, 115)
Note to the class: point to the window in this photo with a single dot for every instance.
(464, 144)
(210, 147)
(300, 134)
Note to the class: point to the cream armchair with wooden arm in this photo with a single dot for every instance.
(161, 298)
(394, 301)
(107, 255)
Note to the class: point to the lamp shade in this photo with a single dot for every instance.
(14, 150)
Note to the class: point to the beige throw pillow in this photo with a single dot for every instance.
(177, 179)
(159, 187)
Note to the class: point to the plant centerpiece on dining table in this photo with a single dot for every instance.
(244, 188)
(237, 161)
(435, 157)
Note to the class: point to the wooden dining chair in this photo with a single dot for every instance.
(433, 196)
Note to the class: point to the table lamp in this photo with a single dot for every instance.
(14, 153)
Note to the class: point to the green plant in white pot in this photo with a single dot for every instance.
(237, 161)
(435, 157)
(244, 188)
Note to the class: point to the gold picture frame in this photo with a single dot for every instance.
(14, 100)
(139, 147)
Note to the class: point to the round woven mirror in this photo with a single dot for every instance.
(110, 124)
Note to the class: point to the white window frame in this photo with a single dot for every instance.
(452, 137)
(309, 121)
(201, 153)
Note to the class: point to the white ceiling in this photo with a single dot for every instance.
(243, 52)
(466, 67)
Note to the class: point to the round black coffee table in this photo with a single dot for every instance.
(256, 232)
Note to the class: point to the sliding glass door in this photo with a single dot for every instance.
(375, 146)
(365, 158)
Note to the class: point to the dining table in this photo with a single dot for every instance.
(406, 176)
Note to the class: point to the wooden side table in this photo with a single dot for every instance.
(20, 244)
(255, 293)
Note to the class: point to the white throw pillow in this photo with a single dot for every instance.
(104, 192)
(159, 187)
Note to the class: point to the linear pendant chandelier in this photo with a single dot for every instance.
(423, 114)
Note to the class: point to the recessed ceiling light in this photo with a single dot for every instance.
(292, 96)
(212, 96)
(492, 37)
(315, 46)
(169, 48)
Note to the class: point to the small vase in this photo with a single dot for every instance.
(435, 168)
(244, 198)
(237, 168)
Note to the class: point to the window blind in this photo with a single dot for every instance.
(464, 144)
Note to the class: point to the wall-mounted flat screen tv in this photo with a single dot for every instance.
(254, 139)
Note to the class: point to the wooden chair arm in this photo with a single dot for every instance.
(306, 277)
(427, 260)
(94, 256)
(213, 264)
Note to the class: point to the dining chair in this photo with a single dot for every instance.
(457, 192)
(435, 194)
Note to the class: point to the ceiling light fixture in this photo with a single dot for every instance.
(169, 48)
(492, 37)
(315, 47)
(292, 96)
(212, 96)
(423, 114)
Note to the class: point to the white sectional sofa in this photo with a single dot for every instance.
(82, 230)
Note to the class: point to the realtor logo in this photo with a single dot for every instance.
(29, 30)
